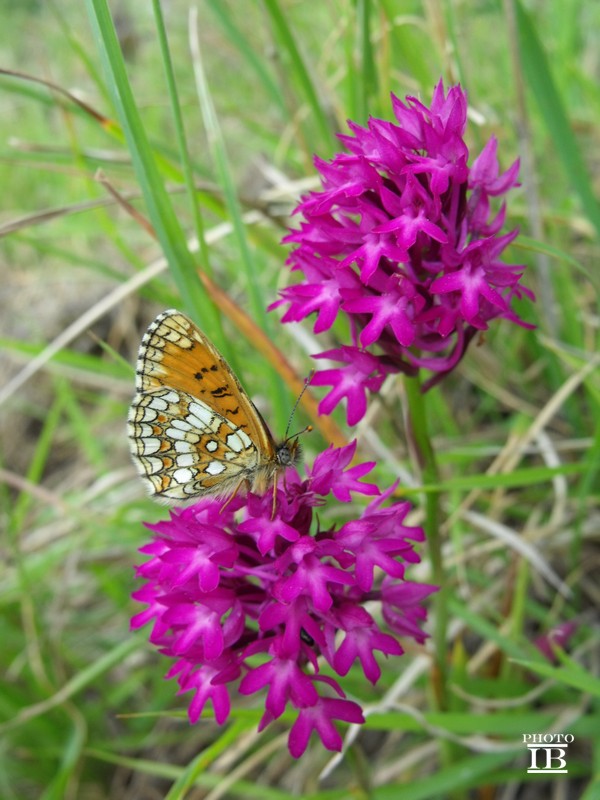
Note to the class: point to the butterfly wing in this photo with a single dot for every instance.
(193, 429)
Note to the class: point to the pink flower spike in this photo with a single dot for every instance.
(406, 237)
(247, 598)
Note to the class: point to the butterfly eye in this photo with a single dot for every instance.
(288, 453)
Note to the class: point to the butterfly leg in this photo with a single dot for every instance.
(245, 483)
(274, 497)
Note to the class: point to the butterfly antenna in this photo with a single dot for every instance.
(304, 388)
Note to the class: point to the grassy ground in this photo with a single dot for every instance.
(84, 709)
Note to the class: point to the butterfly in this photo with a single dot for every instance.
(193, 430)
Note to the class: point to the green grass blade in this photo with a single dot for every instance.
(592, 792)
(72, 38)
(238, 39)
(184, 155)
(502, 725)
(79, 422)
(519, 477)
(219, 154)
(37, 464)
(543, 88)
(72, 750)
(212, 320)
(201, 762)
(160, 209)
(572, 675)
(411, 47)
(81, 680)
(246, 789)
(535, 246)
(364, 75)
(299, 72)
(469, 773)
(486, 629)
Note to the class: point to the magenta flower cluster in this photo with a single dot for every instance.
(402, 240)
(246, 600)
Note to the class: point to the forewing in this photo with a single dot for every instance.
(175, 353)
(193, 430)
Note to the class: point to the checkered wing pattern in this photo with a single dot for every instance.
(193, 429)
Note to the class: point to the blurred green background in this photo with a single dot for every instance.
(84, 709)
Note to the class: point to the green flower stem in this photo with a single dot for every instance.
(424, 456)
